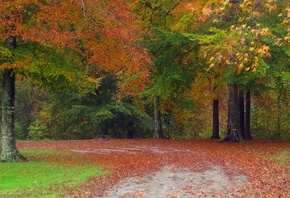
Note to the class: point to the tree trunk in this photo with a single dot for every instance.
(242, 112)
(234, 128)
(9, 152)
(279, 111)
(248, 116)
(157, 117)
(130, 131)
(215, 116)
(104, 129)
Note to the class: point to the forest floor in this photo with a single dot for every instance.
(179, 168)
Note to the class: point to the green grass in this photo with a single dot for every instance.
(47, 174)
(284, 158)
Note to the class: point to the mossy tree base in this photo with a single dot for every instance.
(234, 136)
(12, 157)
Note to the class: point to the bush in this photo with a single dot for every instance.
(36, 131)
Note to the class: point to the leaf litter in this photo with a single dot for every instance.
(178, 168)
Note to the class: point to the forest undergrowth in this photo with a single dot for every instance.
(265, 164)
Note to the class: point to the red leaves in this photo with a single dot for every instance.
(127, 158)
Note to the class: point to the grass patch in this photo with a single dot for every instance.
(48, 174)
(284, 158)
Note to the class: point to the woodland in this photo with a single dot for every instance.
(163, 69)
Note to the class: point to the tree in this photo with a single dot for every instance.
(95, 31)
(173, 57)
(247, 131)
(9, 151)
(215, 116)
(154, 14)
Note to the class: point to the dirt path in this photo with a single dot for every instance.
(174, 180)
(178, 182)
(163, 168)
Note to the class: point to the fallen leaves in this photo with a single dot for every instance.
(128, 158)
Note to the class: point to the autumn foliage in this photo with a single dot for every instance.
(104, 34)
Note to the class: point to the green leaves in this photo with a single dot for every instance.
(5, 56)
(58, 70)
(173, 56)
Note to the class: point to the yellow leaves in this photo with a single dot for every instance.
(251, 49)
(265, 31)
(241, 67)
(216, 59)
(271, 5)
(264, 51)
(233, 27)
(260, 51)
(255, 62)
(287, 38)
(266, 48)
(288, 12)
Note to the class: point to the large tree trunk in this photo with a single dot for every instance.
(215, 118)
(157, 117)
(234, 125)
(248, 116)
(9, 152)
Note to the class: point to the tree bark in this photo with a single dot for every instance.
(242, 112)
(215, 116)
(9, 152)
(279, 111)
(130, 131)
(234, 128)
(248, 135)
(157, 117)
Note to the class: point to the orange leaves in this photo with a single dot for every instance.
(128, 158)
(264, 51)
(104, 34)
(288, 12)
(10, 18)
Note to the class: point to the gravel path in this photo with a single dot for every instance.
(179, 182)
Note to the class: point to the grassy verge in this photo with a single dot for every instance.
(283, 158)
(48, 174)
